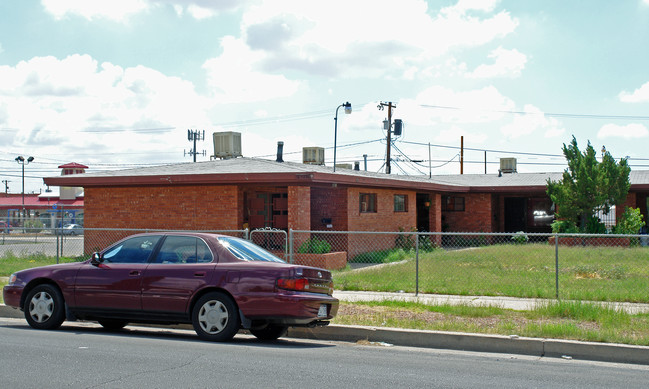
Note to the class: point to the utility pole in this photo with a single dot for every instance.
(462, 154)
(389, 137)
(195, 136)
(6, 182)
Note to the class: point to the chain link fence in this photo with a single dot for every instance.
(566, 266)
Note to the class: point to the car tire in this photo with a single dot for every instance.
(112, 325)
(215, 317)
(269, 332)
(45, 307)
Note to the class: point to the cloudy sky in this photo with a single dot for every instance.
(117, 84)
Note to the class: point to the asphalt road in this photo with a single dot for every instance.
(82, 355)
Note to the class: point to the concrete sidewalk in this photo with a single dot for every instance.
(381, 336)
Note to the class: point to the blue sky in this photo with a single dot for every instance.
(117, 84)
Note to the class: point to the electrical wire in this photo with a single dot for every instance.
(546, 114)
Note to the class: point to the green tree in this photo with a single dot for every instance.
(588, 185)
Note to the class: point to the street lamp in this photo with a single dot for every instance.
(348, 110)
(21, 160)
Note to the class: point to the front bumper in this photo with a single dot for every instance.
(11, 295)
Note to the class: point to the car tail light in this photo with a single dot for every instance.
(293, 283)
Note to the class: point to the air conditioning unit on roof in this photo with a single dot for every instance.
(227, 144)
(313, 155)
(508, 165)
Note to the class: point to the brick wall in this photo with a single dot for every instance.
(208, 207)
(476, 217)
(329, 203)
(631, 201)
(384, 219)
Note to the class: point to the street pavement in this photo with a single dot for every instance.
(511, 344)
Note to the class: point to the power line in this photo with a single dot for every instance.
(546, 114)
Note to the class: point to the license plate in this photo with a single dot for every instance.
(322, 312)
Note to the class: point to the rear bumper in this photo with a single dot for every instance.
(292, 309)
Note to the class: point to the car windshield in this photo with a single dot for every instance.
(246, 250)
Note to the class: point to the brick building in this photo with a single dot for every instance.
(239, 193)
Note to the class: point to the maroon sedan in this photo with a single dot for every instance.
(217, 283)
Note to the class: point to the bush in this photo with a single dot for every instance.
(426, 244)
(630, 222)
(405, 242)
(595, 226)
(520, 237)
(315, 245)
(564, 227)
(33, 225)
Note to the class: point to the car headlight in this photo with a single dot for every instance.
(12, 279)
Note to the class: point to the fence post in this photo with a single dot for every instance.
(290, 245)
(556, 263)
(417, 265)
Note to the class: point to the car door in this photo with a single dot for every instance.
(117, 282)
(182, 266)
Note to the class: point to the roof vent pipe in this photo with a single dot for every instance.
(280, 151)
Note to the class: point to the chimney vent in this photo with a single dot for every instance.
(280, 151)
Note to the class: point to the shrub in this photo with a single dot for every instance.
(630, 222)
(315, 245)
(595, 226)
(564, 227)
(520, 237)
(426, 244)
(33, 225)
(405, 242)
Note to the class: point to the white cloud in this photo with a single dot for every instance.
(640, 95)
(474, 106)
(629, 131)
(78, 103)
(532, 121)
(117, 10)
(234, 78)
(507, 63)
(324, 38)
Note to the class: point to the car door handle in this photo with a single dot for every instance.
(199, 274)
(134, 273)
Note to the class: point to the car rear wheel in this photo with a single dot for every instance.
(269, 332)
(44, 307)
(112, 325)
(215, 317)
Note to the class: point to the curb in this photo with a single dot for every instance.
(568, 349)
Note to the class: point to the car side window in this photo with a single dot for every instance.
(183, 249)
(133, 250)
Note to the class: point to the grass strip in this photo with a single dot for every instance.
(556, 320)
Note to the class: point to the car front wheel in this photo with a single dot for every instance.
(269, 332)
(44, 307)
(215, 317)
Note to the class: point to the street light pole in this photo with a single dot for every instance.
(348, 110)
(22, 161)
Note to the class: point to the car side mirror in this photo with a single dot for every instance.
(96, 259)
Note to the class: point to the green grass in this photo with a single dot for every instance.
(10, 262)
(599, 274)
(557, 320)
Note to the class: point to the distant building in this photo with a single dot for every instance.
(53, 208)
